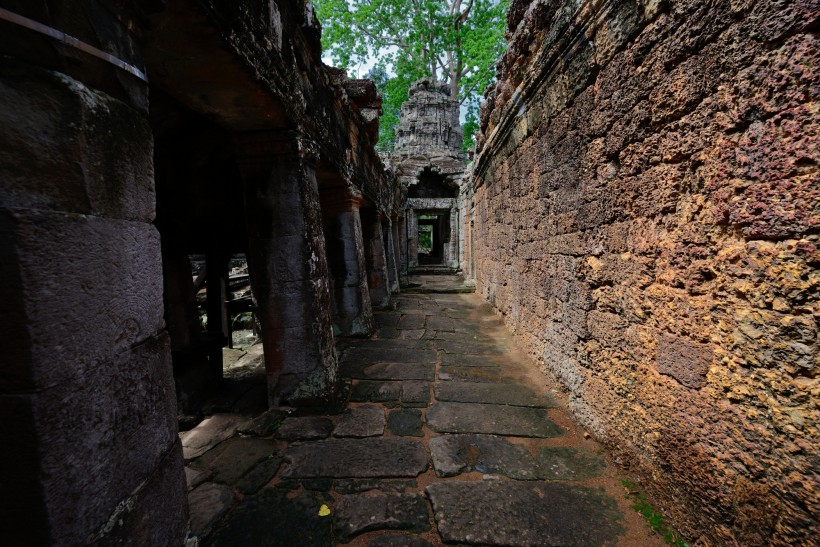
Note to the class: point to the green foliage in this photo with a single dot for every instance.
(655, 520)
(454, 41)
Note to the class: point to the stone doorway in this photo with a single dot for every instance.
(433, 235)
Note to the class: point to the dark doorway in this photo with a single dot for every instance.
(432, 235)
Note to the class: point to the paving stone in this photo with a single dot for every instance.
(385, 319)
(467, 348)
(234, 457)
(415, 393)
(370, 457)
(304, 428)
(460, 360)
(396, 344)
(194, 477)
(318, 485)
(471, 374)
(412, 334)
(366, 391)
(358, 356)
(501, 394)
(405, 422)
(569, 464)
(355, 514)
(396, 540)
(388, 332)
(363, 421)
(523, 514)
(456, 454)
(206, 504)
(264, 424)
(209, 433)
(260, 475)
(493, 419)
(273, 519)
(392, 371)
(440, 323)
(355, 486)
(411, 321)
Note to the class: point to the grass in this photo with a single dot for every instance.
(655, 520)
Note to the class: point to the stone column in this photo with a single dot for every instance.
(391, 232)
(378, 281)
(400, 237)
(352, 311)
(88, 418)
(412, 238)
(288, 268)
(455, 257)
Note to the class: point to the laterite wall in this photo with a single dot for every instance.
(647, 211)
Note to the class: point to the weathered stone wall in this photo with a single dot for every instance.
(89, 432)
(647, 211)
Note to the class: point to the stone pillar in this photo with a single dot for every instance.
(454, 255)
(378, 281)
(400, 237)
(288, 268)
(216, 290)
(352, 312)
(391, 233)
(412, 238)
(88, 418)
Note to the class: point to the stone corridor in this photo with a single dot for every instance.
(447, 435)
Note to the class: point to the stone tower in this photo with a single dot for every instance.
(429, 161)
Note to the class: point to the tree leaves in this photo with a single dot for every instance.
(454, 41)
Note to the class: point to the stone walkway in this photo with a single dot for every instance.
(449, 436)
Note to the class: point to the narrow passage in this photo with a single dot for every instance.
(448, 436)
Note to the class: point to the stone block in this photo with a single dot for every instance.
(93, 153)
(363, 421)
(359, 513)
(104, 274)
(684, 360)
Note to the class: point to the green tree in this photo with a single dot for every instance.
(456, 42)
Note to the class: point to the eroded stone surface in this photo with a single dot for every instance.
(476, 392)
(399, 541)
(194, 477)
(259, 475)
(210, 432)
(304, 428)
(376, 392)
(370, 457)
(363, 421)
(234, 457)
(415, 393)
(272, 518)
(569, 464)
(492, 419)
(523, 514)
(405, 422)
(355, 356)
(471, 374)
(392, 371)
(456, 454)
(206, 504)
(358, 513)
(462, 360)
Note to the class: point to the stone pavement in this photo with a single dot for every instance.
(449, 436)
